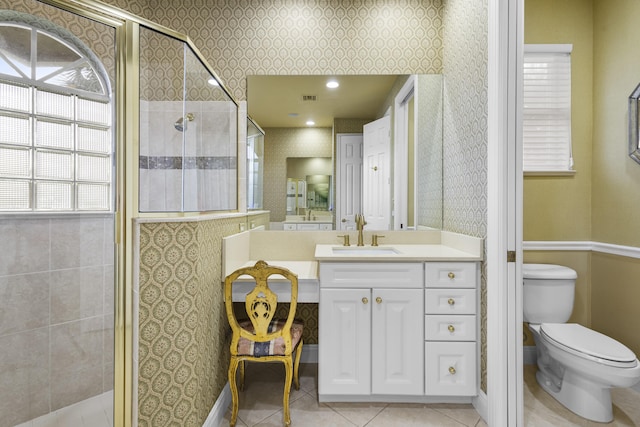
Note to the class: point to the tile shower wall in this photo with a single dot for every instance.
(56, 313)
(168, 166)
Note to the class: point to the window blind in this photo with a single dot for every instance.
(546, 119)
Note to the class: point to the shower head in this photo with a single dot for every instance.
(180, 125)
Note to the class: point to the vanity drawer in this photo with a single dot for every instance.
(450, 301)
(371, 275)
(326, 226)
(450, 274)
(450, 368)
(289, 227)
(441, 327)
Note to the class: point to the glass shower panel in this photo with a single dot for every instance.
(210, 137)
(188, 131)
(57, 270)
(161, 118)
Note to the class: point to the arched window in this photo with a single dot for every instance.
(55, 120)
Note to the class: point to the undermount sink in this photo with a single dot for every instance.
(364, 250)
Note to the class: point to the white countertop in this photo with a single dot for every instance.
(411, 252)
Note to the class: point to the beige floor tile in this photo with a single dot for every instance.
(307, 412)
(465, 414)
(412, 415)
(358, 413)
(263, 392)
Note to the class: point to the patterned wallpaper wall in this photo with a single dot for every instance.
(182, 330)
(465, 131)
(356, 37)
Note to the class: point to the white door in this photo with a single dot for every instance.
(344, 341)
(348, 180)
(397, 342)
(376, 177)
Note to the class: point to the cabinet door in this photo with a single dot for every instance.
(397, 341)
(344, 341)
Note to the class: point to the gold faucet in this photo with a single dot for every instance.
(360, 223)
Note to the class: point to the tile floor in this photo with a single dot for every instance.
(261, 405)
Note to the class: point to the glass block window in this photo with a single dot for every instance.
(55, 124)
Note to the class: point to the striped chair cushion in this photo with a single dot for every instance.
(269, 348)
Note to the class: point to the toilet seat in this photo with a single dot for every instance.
(588, 344)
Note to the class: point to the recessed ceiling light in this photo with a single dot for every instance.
(310, 123)
(293, 114)
(213, 82)
(332, 84)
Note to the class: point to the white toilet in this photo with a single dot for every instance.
(576, 365)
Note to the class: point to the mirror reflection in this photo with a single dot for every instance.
(381, 135)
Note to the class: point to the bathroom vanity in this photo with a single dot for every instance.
(396, 322)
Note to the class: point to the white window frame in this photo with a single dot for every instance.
(547, 146)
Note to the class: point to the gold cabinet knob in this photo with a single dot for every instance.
(451, 275)
(451, 328)
(379, 300)
(365, 300)
(452, 370)
(451, 301)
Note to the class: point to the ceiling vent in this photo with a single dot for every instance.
(309, 97)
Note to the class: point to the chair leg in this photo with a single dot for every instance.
(287, 390)
(296, 378)
(242, 366)
(233, 367)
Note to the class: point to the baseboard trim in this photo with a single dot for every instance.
(216, 416)
(584, 246)
(481, 404)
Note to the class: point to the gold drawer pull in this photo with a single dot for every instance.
(451, 328)
(451, 301)
(379, 300)
(452, 275)
(365, 300)
(452, 370)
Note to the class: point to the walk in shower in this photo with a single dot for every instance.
(188, 131)
(56, 215)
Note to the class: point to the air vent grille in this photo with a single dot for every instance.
(309, 97)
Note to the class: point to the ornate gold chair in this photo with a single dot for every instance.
(263, 338)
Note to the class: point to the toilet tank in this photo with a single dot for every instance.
(548, 293)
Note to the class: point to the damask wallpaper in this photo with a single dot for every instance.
(356, 37)
(182, 362)
(183, 351)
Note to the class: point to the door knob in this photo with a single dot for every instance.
(365, 300)
(344, 220)
(451, 301)
(451, 328)
(379, 300)
(451, 275)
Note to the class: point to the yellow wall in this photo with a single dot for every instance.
(600, 202)
(559, 208)
(616, 177)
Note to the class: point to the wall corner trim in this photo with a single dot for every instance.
(606, 248)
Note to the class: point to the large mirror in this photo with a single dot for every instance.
(382, 134)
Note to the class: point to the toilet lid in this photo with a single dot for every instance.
(589, 344)
(548, 271)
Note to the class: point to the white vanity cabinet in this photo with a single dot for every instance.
(307, 226)
(370, 329)
(451, 300)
